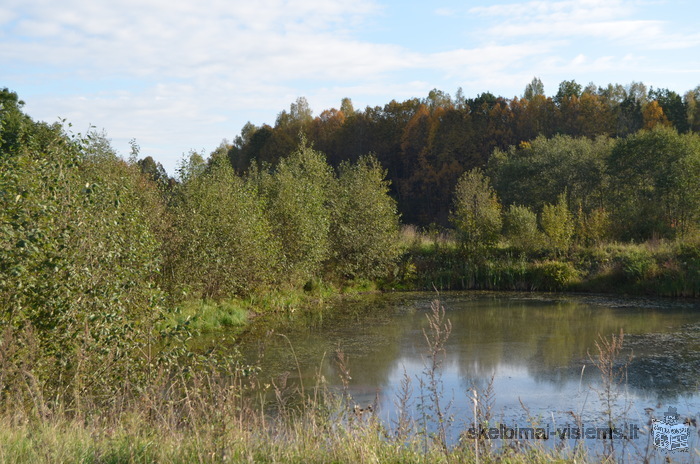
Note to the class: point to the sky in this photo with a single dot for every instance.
(182, 75)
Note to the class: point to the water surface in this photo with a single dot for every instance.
(534, 349)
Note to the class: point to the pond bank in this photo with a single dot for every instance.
(650, 269)
(670, 270)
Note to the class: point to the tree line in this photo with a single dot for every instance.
(644, 186)
(601, 215)
(427, 144)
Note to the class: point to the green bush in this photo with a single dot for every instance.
(476, 215)
(558, 225)
(223, 243)
(637, 264)
(79, 259)
(520, 228)
(592, 228)
(297, 199)
(553, 275)
(364, 232)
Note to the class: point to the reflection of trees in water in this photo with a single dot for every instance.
(667, 364)
(664, 365)
(367, 329)
(550, 337)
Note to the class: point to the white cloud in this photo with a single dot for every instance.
(600, 19)
(174, 38)
(192, 63)
(6, 15)
(613, 30)
(190, 73)
(195, 63)
(566, 10)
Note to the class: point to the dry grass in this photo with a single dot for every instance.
(413, 237)
(222, 413)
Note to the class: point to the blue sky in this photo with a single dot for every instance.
(181, 75)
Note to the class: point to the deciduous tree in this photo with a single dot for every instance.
(364, 221)
(476, 215)
(558, 224)
(296, 195)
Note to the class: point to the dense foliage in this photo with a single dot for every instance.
(296, 196)
(94, 250)
(222, 242)
(79, 254)
(655, 177)
(638, 187)
(426, 144)
(477, 214)
(536, 177)
(364, 221)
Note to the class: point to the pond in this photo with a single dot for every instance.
(529, 356)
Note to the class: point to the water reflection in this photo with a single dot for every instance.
(536, 347)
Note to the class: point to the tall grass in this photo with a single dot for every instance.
(222, 412)
(205, 315)
(656, 268)
(233, 314)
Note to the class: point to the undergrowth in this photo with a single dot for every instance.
(655, 268)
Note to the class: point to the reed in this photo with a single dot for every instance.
(655, 268)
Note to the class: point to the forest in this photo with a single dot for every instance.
(426, 144)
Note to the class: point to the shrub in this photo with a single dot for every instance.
(296, 199)
(223, 243)
(558, 225)
(79, 256)
(476, 214)
(364, 232)
(593, 228)
(637, 264)
(553, 275)
(520, 227)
